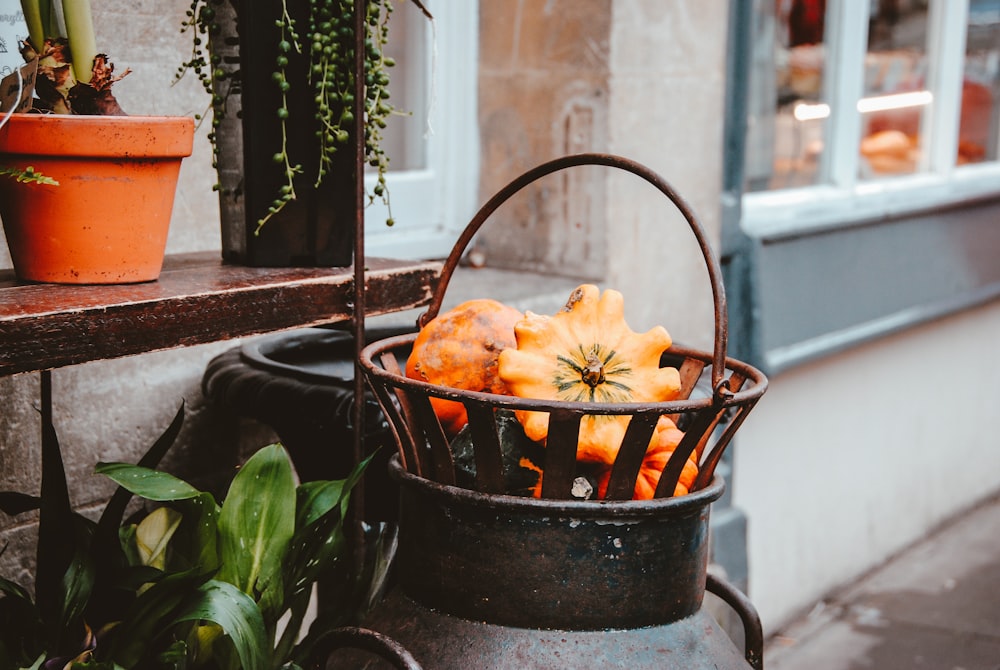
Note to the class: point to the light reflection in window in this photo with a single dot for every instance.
(895, 64)
(786, 124)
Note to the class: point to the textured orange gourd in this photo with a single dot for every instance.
(662, 444)
(459, 349)
(587, 353)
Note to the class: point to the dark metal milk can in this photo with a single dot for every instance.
(497, 581)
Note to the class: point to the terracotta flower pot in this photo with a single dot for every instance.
(107, 220)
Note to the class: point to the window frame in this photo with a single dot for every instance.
(430, 206)
(843, 199)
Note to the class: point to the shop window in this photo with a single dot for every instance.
(433, 174)
(979, 121)
(862, 110)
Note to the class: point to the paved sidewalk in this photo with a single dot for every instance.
(934, 607)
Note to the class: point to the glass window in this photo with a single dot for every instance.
(433, 176)
(978, 120)
(403, 137)
(788, 109)
(867, 109)
(895, 95)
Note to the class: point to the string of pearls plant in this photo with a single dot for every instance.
(327, 39)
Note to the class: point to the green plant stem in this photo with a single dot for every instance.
(288, 190)
(36, 15)
(80, 31)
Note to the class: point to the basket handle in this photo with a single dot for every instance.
(719, 385)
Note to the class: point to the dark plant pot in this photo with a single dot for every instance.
(300, 383)
(317, 228)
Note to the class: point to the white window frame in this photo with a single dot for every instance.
(844, 199)
(430, 206)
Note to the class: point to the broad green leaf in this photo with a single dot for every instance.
(110, 538)
(147, 483)
(315, 498)
(202, 640)
(131, 579)
(78, 580)
(313, 549)
(319, 548)
(314, 552)
(153, 534)
(297, 610)
(350, 592)
(126, 536)
(381, 541)
(195, 544)
(319, 537)
(9, 588)
(149, 618)
(114, 511)
(237, 614)
(256, 523)
(352, 479)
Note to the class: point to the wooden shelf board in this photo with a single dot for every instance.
(197, 299)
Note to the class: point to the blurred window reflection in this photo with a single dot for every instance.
(897, 79)
(788, 112)
(895, 94)
(978, 125)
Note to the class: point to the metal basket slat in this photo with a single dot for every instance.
(621, 482)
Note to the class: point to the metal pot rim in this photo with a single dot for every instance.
(595, 509)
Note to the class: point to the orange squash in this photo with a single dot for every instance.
(662, 444)
(459, 349)
(587, 353)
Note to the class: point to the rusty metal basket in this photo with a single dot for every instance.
(709, 422)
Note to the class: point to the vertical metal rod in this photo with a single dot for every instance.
(358, 314)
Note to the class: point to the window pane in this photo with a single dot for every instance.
(787, 114)
(895, 96)
(403, 137)
(977, 135)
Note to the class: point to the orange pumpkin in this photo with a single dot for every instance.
(662, 444)
(459, 349)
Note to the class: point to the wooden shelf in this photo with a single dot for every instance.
(197, 300)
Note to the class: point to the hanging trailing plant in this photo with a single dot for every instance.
(325, 42)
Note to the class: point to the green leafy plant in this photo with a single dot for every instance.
(73, 76)
(27, 176)
(191, 582)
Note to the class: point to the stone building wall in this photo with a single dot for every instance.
(543, 93)
(643, 79)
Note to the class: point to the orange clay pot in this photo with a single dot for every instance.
(107, 220)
